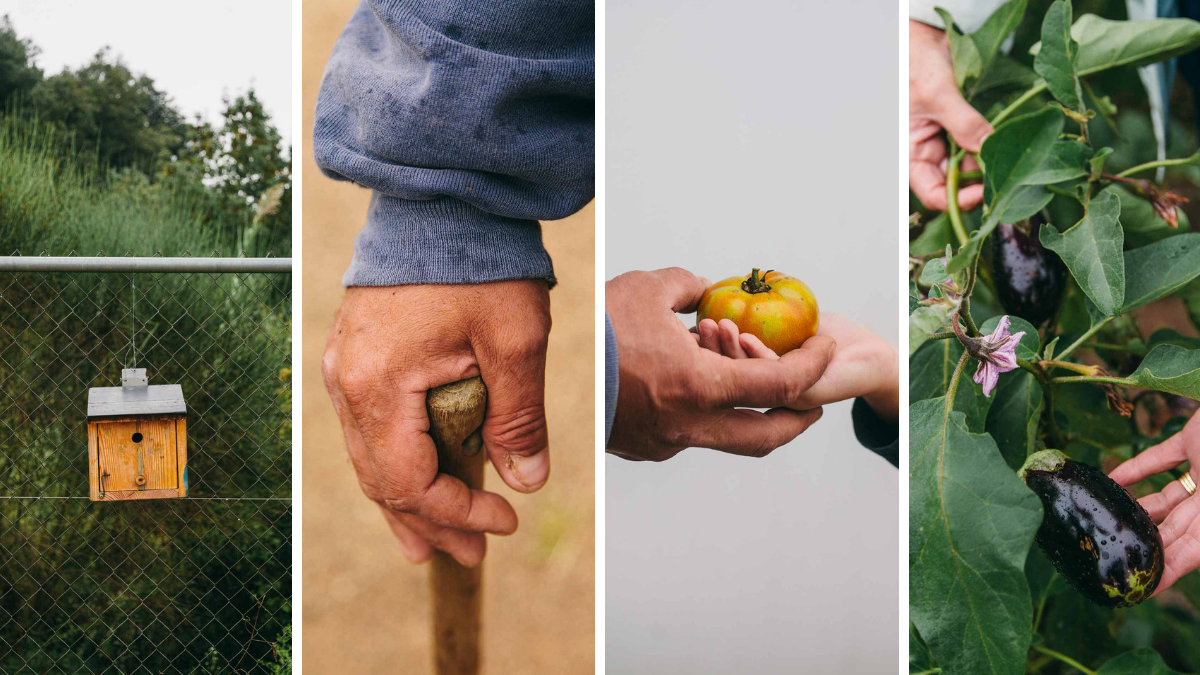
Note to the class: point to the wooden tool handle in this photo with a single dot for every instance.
(456, 413)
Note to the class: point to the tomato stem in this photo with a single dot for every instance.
(755, 283)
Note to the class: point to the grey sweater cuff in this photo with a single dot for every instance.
(444, 241)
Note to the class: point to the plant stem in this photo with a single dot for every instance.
(952, 194)
(931, 671)
(1037, 619)
(1056, 437)
(970, 175)
(1109, 346)
(1065, 659)
(953, 388)
(942, 336)
(1083, 338)
(1084, 378)
(1067, 365)
(1154, 165)
(1012, 107)
(1033, 368)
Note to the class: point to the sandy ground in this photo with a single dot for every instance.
(365, 608)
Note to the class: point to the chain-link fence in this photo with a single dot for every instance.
(194, 585)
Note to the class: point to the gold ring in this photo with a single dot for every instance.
(1188, 484)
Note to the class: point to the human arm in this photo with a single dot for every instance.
(673, 395)
(864, 367)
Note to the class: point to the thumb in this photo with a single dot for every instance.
(514, 430)
(682, 288)
(964, 124)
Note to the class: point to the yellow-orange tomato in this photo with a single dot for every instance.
(779, 309)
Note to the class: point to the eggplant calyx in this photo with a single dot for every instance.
(1043, 460)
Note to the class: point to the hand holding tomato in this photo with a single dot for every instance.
(863, 364)
(674, 395)
(780, 310)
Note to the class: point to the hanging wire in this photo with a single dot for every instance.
(133, 321)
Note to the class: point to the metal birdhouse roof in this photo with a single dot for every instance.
(135, 397)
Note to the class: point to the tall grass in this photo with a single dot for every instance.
(49, 202)
(140, 587)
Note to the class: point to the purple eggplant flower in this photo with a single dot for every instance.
(997, 353)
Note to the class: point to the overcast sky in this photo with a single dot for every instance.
(194, 51)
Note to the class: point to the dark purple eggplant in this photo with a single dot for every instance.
(1098, 537)
(1029, 279)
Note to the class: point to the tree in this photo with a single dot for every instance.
(18, 75)
(244, 170)
(118, 118)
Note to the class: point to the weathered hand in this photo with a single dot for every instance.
(387, 348)
(674, 395)
(863, 364)
(1177, 513)
(934, 105)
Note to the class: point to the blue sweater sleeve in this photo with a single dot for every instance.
(612, 378)
(471, 121)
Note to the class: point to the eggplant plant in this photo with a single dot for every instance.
(1032, 330)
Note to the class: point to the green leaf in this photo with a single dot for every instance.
(1050, 348)
(1141, 224)
(934, 272)
(963, 53)
(1075, 626)
(991, 36)
(1056, 59)
(923, 322)
(1068, 160)
(1014, 415)
(1172, 369)
(1044, 581)
(1083, 412)
(1092, 251)
(914, 297)
(1005, 73)
(971, 523)
(929, 373)
(1190, 294)
(936, 235)
(1096, 163)
(1160, 269)
(1170, 336)
(1010, 155)
(1105, 44)
(1143, 661)
(919, 658)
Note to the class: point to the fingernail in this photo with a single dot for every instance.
(532, 471)
(706, 329)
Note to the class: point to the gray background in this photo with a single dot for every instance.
(758, 134)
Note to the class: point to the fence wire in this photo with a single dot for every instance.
(194, 585)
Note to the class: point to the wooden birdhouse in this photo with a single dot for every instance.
(137, 440)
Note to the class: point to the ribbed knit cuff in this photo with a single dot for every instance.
(444, 241)
(874, 433)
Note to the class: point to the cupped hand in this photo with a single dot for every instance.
(674, 395)
(863, 364)
(935, 105)
(387, 348)
(1177, 513)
